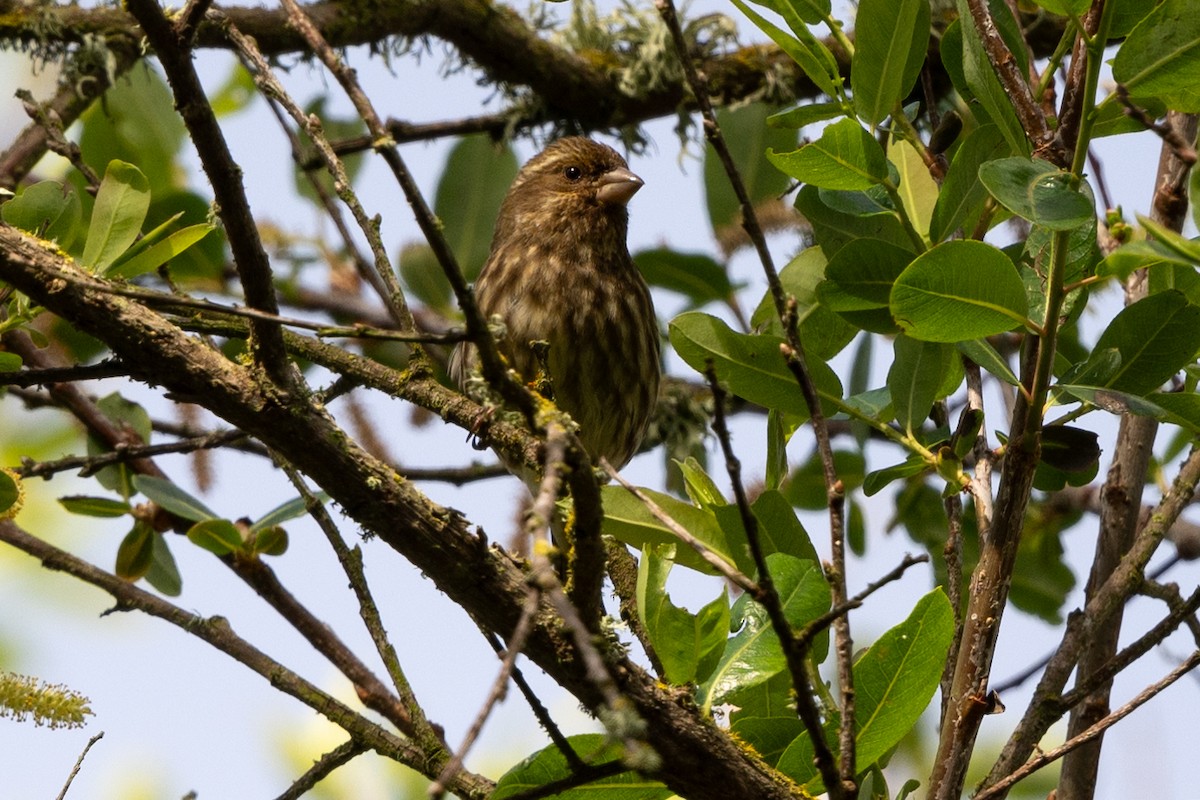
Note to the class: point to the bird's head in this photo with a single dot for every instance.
(574, 180)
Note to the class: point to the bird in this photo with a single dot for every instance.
(559, 272)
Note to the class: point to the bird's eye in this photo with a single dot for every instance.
(573, 173)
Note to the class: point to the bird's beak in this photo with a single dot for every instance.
(617, 186)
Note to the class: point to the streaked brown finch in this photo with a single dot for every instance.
(560, 272)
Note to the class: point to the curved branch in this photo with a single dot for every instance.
(698, 760)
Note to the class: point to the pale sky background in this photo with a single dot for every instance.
(179, 716)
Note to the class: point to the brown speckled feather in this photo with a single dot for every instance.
(559, 271)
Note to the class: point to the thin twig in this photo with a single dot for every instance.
(1008, 71)
(265, 79)
(813, 629)
(79, 764)
(1184, 150)
(108, 368)
(322, 767)
(540, 712)
(727, 570)
(125, 454)
(225, 176)
(795, 651)
(1037, 762)
(499, 689)
(350, 559)
(217, 632)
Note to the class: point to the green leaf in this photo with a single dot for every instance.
(858, 283)
(628, 520)
(1128, 258)
(834, 227)
(754, 654)
(268, 541)
(918, 191)
(688, 645)
(959, 290)
(806, 11)
(124, 414)
(769, 736)
(748, 137)
(219, 536)
(894, 680)
(1037, 191)
(1070, 449)
(750, 364)
(10, 362)
(696, 276)
(980, 78)
(1114, 401)
(424, 278)
(158, 254)
(173, 499)
(163, 573)
(135, 553)
(1065, 8)
(1127, 14)
(805, 114)
(1185, 248)
(549, 765)
(292, 509)
(1179, 408)
(780, 528)
(806, 486)
(914, 377)
(117, 216)
(1161, 56)
(961, 200)
(137, 122)
(474, 182)
(205, 261)
(983, 354)
(813, 58)
(777, 462)
(48, 209)
(1156, 337)
(845, 157)
(824, 333)
(235, 94)
(11, 495)
(878, 480)
(95, 506)
(891, 39)
(702, 490)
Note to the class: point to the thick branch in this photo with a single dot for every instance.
(698, 760)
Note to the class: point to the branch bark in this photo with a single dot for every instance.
(699, 761)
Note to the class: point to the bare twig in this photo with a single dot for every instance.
(419, 727)
(108, 368)
(1173, 138)
(795, 650)
(1008, 71)
(322, 767)
(540, 712)
(1001, 787)
(217, 632)
(729, 571)
(78, 764)
(125, 454)
(265, 79)
(254, 268)
(499, 689)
